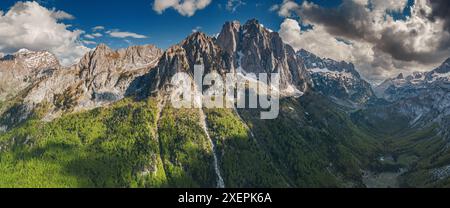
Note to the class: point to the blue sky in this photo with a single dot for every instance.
(164, 29)
(138, 16)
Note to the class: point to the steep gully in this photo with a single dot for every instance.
(220, 181)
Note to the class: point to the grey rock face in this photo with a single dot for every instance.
(251, 48)
(336, 79)
(422, 96)
(18, 71)
(197, 49)
(101, 77)
(248, 48)
(107, 74)
(415, 84)
(229, 38)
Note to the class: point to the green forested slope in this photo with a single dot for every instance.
(132, 144)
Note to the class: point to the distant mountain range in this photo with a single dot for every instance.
(107, 122)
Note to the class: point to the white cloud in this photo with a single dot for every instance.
(62, 15)
(89, 36)
(379, 45)
(316, 40)
(232, 5)
(184, 7)
(98, 28)
(29, 25)
(97, 35)
(196, 29)
(93, 36)
(287, 7)
(88, 42)
(121, 34)
(321, 43)
(274, 7)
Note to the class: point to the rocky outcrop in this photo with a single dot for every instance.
(102, 76)
(20, 70)
(338, 80)
(197, 49)
(422, 96)
(415, 84)
(252, 48)
(245, 49)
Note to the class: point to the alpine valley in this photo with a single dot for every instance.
(107, 120)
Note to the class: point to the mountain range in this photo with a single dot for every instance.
(107, 122)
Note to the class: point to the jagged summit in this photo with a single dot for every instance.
(200, 49)
(254, 49)
(444, 68)
(103, 58)
(197, 49)
(102, 76)
(23, 68)
(102, 49)
(402, 86)
(32, 59)
(248, 48)
(337, 79)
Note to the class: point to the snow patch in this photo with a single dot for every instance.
(331, 73)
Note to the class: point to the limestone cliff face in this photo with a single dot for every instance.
(252, 48)
(18, 71)
(102, 76)
(338, 80)
(422, 96)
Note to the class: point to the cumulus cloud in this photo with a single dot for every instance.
(184, 7)
(286, 8)
(232, 5)
(121, 34)
(196, 29)
(88, 42)
(365, 32)
(29, 25)
(98, 28)
(62, 15)
(89, 36)
(93, 35)
(274, 7)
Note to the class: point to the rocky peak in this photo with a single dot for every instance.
(229, 37)
(444, 68)
(201, 49)
(19, 70)
(105, 60)
(417, 84)
(102, 47)
(196, 49)
(248, 48)
(253, 27)
(424, 97)
(173, 60)
(33, 60)
(102, 76)
(312, 62)
(251, 48)
(339, 80)
(198, 39)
